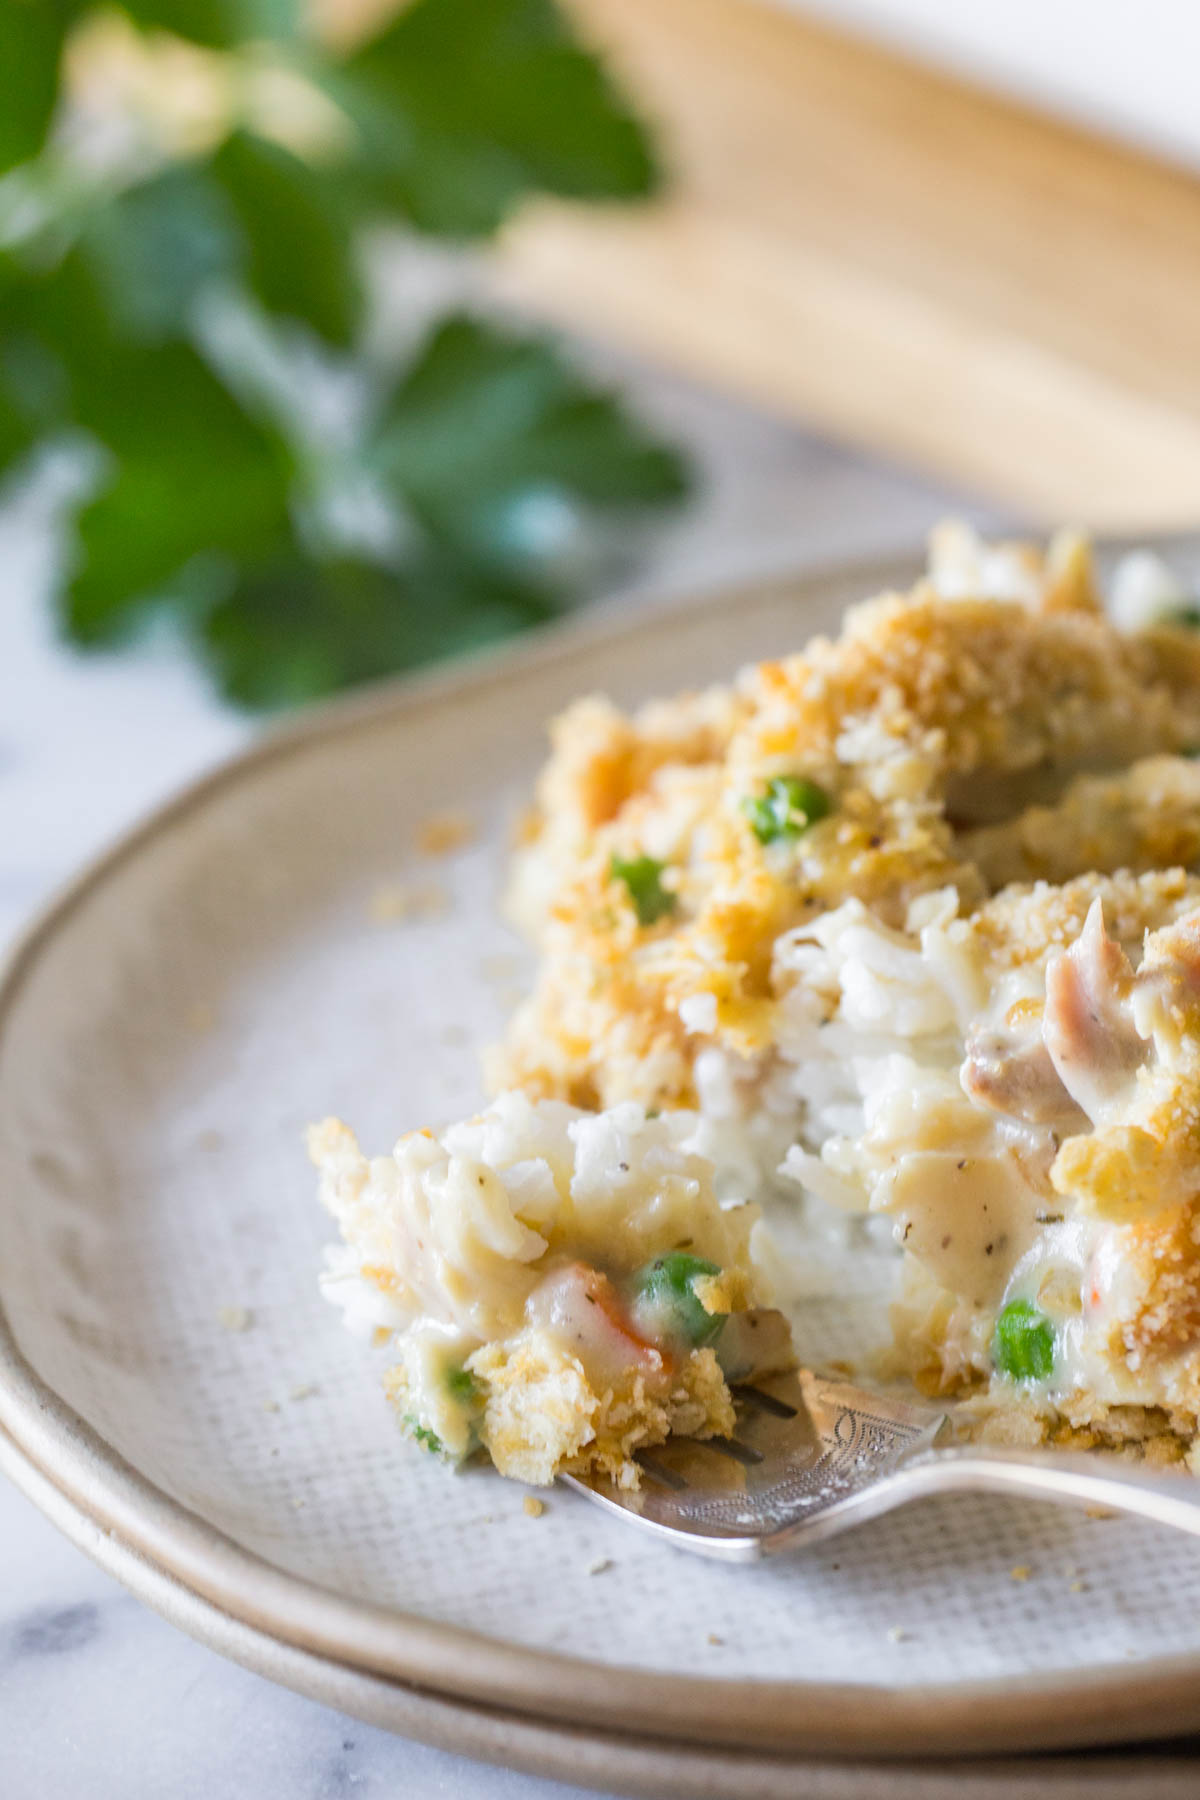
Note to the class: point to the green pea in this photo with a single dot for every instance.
(462, 1384)
(663, 1288)
(786, 808)
(1023, 1342)
(642, 876)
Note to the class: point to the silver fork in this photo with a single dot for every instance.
(812, 1457)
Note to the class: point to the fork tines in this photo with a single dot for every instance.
(760, 1401)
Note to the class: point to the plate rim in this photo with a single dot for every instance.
(1102, 1704)
(658, 1769)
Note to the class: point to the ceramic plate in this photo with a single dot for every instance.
(271, 947)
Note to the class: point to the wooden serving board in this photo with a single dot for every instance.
(905, 262)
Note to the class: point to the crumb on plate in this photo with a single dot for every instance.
(398, 902)
(443, 832)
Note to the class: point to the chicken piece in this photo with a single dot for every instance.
(580, 1306)
(1009, 1070)
(1088, 1026)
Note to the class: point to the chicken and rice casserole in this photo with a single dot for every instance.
(904, 925)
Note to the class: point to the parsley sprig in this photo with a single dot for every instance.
(478, 482)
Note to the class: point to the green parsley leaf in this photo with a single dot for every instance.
(642, 876)
(18, 433)
(463, 108)
(151, 250)
(1023, 1342)
(495, 452)
(295, 628)
(297, 252)
(30, 389)
(220, 24)
(191, 477)
(255, 214)
(32, 33)
(33, 385)
(489, 429)
(786, 809)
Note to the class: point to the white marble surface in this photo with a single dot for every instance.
(99, 1698)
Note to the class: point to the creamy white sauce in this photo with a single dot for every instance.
(968, 1219)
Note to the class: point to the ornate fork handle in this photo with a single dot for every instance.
(1075, 1478)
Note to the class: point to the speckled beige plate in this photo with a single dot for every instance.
(174, 1392)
